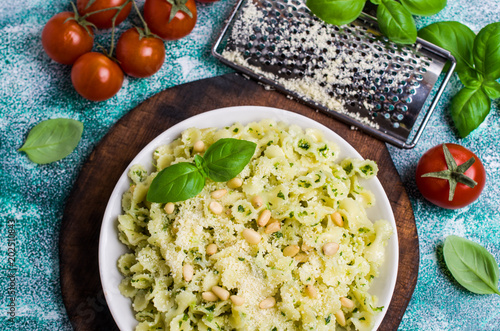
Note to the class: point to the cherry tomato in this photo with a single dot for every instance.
(104, 20)
(157, 15)
(435, 185)
(65, 41)
(96, 77)
(140, 56)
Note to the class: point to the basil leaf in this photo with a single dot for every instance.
(424, 7)
(396, 22)
(492, 89)
(52, 140)
(471, 265)
(337, 12)
(456, 38)
(201, 164)
(227, 157)
(469, 108)
(178, 182)
(471, 78)
(487, 51)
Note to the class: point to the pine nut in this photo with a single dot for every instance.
(330, 249)
(301, 257)
(234, 183)
(340, 317)
(219, 193)
(169, 208)
(237, 300)
(199, 146)
(223, 294)
(187, 272)
(267, 303)
(251, 236)
(346, 302)
(311, 292)
(305, 247)
(215, 207)
(264, 218)
(337, 219)
(209, 296)
(211, 249)
(291, 250)
(257, 201)
(273, 227)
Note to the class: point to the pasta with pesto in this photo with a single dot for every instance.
(291, 247)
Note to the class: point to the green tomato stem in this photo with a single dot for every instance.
(454, 174)
(178, 5)
(113, 20)
(147, 32)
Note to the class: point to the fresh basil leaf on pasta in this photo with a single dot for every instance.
(52, 140)
(201, 164)
(178, 182)
(227, 157)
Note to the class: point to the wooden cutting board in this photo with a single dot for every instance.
(80, 283)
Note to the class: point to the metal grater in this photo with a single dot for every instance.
(351, 72)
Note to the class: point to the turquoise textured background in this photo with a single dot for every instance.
(34, 88)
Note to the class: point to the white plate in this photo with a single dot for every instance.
(110, 248)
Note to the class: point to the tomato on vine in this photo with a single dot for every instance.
(140, 55)
(96, 77)
(450, 176)
(170, 19)
(66, 37)
(100, 14)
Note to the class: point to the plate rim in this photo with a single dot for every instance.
(250, 114)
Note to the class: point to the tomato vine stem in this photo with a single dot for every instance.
(147, 32)
(113, 20)
(81, 20)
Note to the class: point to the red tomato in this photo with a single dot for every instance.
(157, 15)
(96, 77)
(66, 42)
(140, 57)
(437, 190)
(104, 20)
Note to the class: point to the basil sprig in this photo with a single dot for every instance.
(395, 18)
(52, 140)
(478, 67)
(471, 265)
(222, 161)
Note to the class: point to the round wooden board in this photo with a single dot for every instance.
(80, 283)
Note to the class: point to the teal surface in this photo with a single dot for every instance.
(32, 197)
